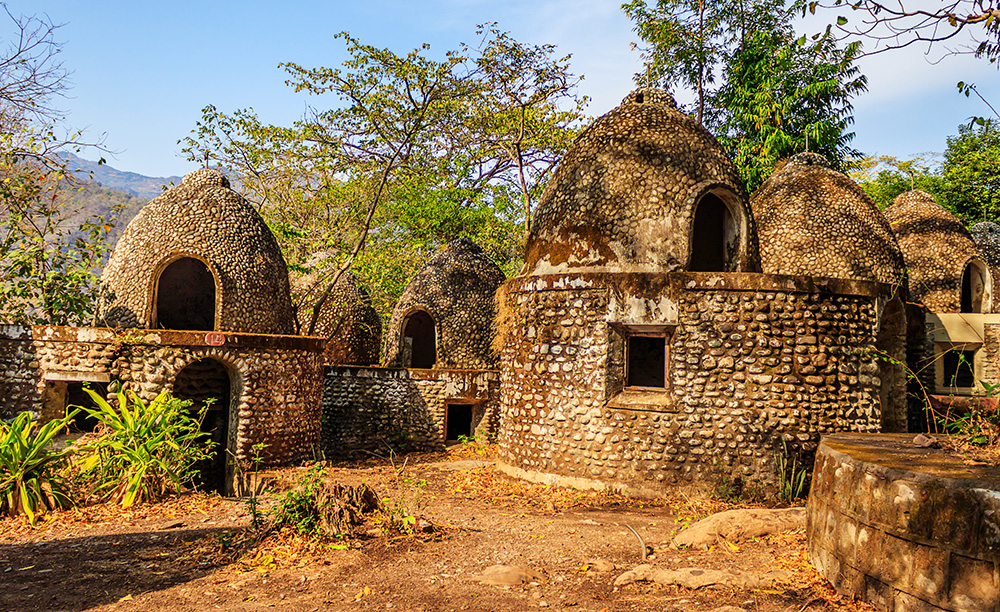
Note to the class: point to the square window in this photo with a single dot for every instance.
(646, 364)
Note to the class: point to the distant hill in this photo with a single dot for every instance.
(144, 187)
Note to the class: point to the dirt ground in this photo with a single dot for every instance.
(183, 555)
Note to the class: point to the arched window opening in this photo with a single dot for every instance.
(419, 340)
(185, 296)
(715, 237)
(201, 381)
(973, 287)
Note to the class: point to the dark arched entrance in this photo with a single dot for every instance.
(185, 296)
(419, 339)
(973, 287)
(714, 237)
(201, 381)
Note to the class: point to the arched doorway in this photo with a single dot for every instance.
(419, 340)
(185, 296)
(201, 381)
(974, 287)
(715, 237)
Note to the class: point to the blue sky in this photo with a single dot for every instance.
(142, 71)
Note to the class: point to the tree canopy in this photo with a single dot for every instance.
(48, 256)
(409, 153)
(763, 91)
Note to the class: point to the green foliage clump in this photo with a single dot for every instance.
(403, 153)
(762, 90)
(30, 480)
(971, 171)
(148, 450)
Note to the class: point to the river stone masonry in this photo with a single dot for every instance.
(206, 224)
(455, 288)
(349, 322)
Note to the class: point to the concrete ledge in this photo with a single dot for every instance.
(905, 528)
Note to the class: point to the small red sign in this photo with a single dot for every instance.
(215, 338)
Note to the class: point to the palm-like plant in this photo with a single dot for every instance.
(149, 451)
(29, 480)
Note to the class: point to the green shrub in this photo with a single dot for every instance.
(30, 482)
(148, 451)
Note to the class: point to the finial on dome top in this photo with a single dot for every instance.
(650, 95)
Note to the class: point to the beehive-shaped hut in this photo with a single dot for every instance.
(348, 320)
(197, 257)
(643, 189)
(946, 272)
(641, 346)
(444, 318)
(815, 221)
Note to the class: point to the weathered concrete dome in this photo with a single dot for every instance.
(946, 272)
(348, 320)
(814, 221)
(643, 189)
(197, 257)
(444, 318)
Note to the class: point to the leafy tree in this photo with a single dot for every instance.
(899, 24)
(47, 262)
(765, 93)
(689, 39)
(412, 152)
(885, 177)
(971, 172)
(783, 96)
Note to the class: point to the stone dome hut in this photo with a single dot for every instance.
(197, 257)
(643, 189)
(444, 318)
(641, 348)
(815, 221)
(946, 271)
(350, 323)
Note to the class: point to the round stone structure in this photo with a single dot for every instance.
(946, 272)
(349, 322)
(645, 188)
(197, 257)
(905, 527)
(814, 221)
(444, 318)
(649, 351)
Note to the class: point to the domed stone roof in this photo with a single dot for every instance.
(197, 257)
(937, 249)
(814, 221)
(349, 321)
(455, 289)
(625, 195)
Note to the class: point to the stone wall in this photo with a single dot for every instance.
(752, 361)
(370, 408)
(904, 528)
(276, 381)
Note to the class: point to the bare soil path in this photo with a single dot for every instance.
(570, 546)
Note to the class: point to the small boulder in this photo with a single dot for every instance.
(696, 578)
(507, 575)
(740, 525)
